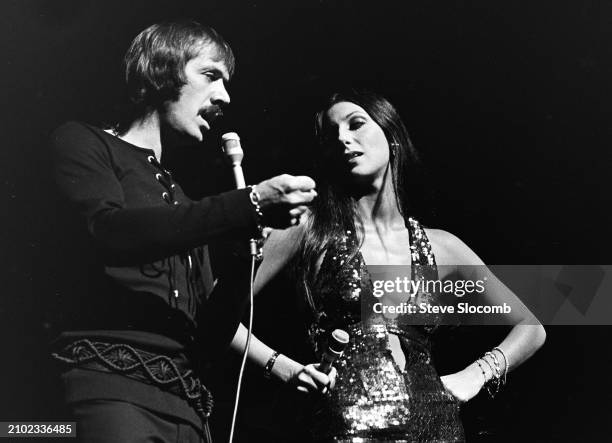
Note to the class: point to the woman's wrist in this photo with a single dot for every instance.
(267, 372)
(493, 370)
(283, 368)
(477, 372)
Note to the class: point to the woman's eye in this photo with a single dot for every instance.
(356, 124)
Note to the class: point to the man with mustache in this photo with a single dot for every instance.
(140, 317)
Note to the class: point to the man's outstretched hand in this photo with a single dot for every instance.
(283, 199)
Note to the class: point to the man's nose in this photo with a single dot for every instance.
(220, 96)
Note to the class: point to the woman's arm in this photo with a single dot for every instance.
(520, 344)
(305, 378)
(525, 338)
(279, 249)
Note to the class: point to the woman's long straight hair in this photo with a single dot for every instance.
(335, 211)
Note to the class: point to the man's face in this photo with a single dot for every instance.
(201, 97)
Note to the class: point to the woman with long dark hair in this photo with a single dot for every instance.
(387, 388)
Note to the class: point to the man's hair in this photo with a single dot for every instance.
(155, 61)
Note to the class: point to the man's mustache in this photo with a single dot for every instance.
(211, 113)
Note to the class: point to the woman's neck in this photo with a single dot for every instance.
(378, 207)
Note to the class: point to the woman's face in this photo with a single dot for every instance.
(365, 150)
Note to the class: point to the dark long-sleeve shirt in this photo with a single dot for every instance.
(136, 256)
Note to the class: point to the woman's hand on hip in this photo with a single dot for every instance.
(464, 385)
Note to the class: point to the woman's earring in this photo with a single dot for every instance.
(394, 148)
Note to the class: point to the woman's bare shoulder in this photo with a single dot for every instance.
(443, 240)
(450, 249)
(289, 239)
(284, 242)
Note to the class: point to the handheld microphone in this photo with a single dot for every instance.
(233, 150)
(235, 154)
(335, 348)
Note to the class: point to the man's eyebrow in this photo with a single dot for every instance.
(216, 70)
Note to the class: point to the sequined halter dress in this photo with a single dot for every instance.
(374, 399)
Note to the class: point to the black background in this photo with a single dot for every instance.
(508, 103)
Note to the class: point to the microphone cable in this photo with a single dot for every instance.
(246, 348)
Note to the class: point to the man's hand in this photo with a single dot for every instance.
(283, 199)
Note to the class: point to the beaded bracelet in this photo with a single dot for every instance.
(494, 383)
(498, 376)
(495, 362)
(267, 372)
(506, 366)
(492, 379)
(484, 375)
